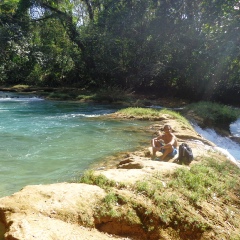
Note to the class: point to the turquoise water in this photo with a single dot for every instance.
(45, 141)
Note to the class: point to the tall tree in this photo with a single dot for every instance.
(182, 47)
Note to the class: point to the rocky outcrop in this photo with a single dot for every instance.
(64, 211)
(53, 211)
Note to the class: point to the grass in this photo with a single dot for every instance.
(100, 180)
(112, 94)
(160, 201)
(143, 112)
(204, 181)
(214, 113)
(149, 113)
(85, 97)
(109, 206)
(20, 86)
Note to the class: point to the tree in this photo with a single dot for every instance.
(178, 47)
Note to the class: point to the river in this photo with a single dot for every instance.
(44, 142)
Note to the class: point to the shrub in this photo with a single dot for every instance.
(214, 113)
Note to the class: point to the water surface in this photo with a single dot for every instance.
(226, 145)
(46, 141)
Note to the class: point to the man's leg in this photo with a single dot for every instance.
(154, 150)
(156, 146)
(167, 151)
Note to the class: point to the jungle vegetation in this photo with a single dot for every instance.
(183, 48)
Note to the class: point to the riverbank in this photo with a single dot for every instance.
(135, 198)
(207, 114)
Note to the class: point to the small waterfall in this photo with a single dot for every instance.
(227, 146)
(14, 97)
(235, 128)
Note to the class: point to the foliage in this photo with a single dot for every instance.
(111, 94)
(183, 48)
(215, 113)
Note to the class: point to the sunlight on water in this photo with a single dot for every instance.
(45, 141)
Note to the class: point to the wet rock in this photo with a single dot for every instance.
(131, 165)
(127, 160)
(235, 139)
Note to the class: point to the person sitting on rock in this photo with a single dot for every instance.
(165, 143)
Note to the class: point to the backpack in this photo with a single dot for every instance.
(185, 154)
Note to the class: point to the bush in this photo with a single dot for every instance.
(214, 113)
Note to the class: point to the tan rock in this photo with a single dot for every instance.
(52, 212)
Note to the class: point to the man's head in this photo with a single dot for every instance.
(167, 128)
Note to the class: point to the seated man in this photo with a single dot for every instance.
(168, 145)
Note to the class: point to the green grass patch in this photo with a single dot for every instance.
(165, 207)
(111, 94)
(100, 180)
(215, 113)
(143, 112)
(145, 187)
(108, 206)
(20, 86)
(204, 181)
(85, 97)
(149, 113)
